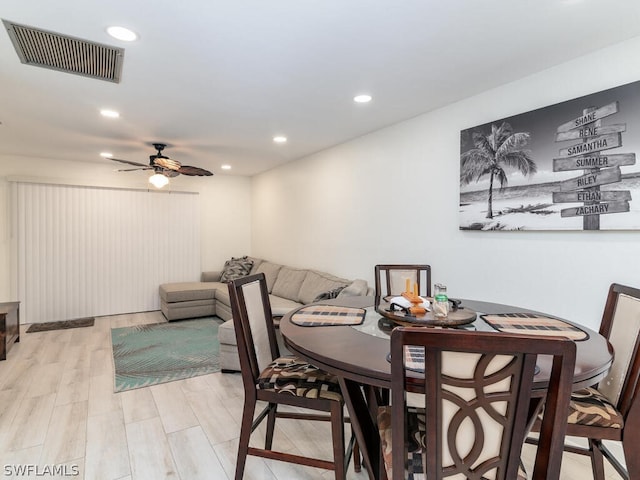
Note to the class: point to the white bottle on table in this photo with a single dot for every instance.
(440, 301)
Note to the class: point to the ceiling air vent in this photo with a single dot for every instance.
(66, 54)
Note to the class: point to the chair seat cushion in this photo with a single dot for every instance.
(590, 407)
(293, 376)
(415, 445)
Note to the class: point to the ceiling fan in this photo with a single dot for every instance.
(163, 167)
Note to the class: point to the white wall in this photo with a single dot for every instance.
(224, 205)
(392, 196)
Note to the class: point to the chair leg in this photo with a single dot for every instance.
(245, 435)
(357, 461)
(271, 423)
(337, 433)
(630, 449)
(597, 460)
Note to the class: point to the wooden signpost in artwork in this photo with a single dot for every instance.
(597, 168)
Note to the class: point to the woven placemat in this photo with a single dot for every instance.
(328, 315)
(413, 358)
(534, 324)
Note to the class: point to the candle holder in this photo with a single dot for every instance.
(416, 308)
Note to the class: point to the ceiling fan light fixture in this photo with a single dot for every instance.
(158, 180)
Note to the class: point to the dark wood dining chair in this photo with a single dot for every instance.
(611, 409)
(391, 279)
(280, 381)
(478, 388)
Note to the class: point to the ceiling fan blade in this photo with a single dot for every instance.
(194, 171)
(165, 162)
(129, 162)
(133, 169)
(164, 165)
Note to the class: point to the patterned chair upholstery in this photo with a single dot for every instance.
(292, 376)
(611, 410)
(478, 395)
(280, 380)
(589, 407)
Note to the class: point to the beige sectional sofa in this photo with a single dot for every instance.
(289, 288)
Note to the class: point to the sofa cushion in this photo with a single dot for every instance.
(193, 303)
(227, 333)
(236, 268)
(288, 283)
(281, 306)
(187, 291)
(318, 283)
(270, 271)
(213, 276)
(222, 294)
(256, 264)
(357, 288)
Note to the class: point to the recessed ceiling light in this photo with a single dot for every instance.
(362, 98)
(225, 167)
(280, 139)
(106, 154)
(122, 33)
(109, 113)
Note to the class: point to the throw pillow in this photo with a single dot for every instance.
(236, 268)
(333, 293)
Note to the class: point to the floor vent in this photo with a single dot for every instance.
(66, 54)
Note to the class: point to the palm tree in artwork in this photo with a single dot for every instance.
(492, 153)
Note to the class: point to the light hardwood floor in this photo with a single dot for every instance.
(57, 406)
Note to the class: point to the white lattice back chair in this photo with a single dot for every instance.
(611, 410)
(474, 418)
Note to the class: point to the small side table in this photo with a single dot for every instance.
(9, 326)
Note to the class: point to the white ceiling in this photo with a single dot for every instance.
(216, 80)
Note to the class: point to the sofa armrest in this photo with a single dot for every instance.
(212, 276)
(357, 288)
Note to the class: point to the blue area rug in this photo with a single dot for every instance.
(146, 355)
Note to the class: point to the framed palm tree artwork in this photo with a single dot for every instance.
(568, 166)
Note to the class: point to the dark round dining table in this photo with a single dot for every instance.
(358, 356)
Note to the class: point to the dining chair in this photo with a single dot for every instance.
(611, 409)
(478, 394)
(392, 279)
(280, 380)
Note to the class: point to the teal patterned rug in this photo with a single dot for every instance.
(146, 355)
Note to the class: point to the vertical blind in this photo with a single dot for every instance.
(90, 251)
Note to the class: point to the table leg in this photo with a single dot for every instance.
(362, 407)
(377, 397)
